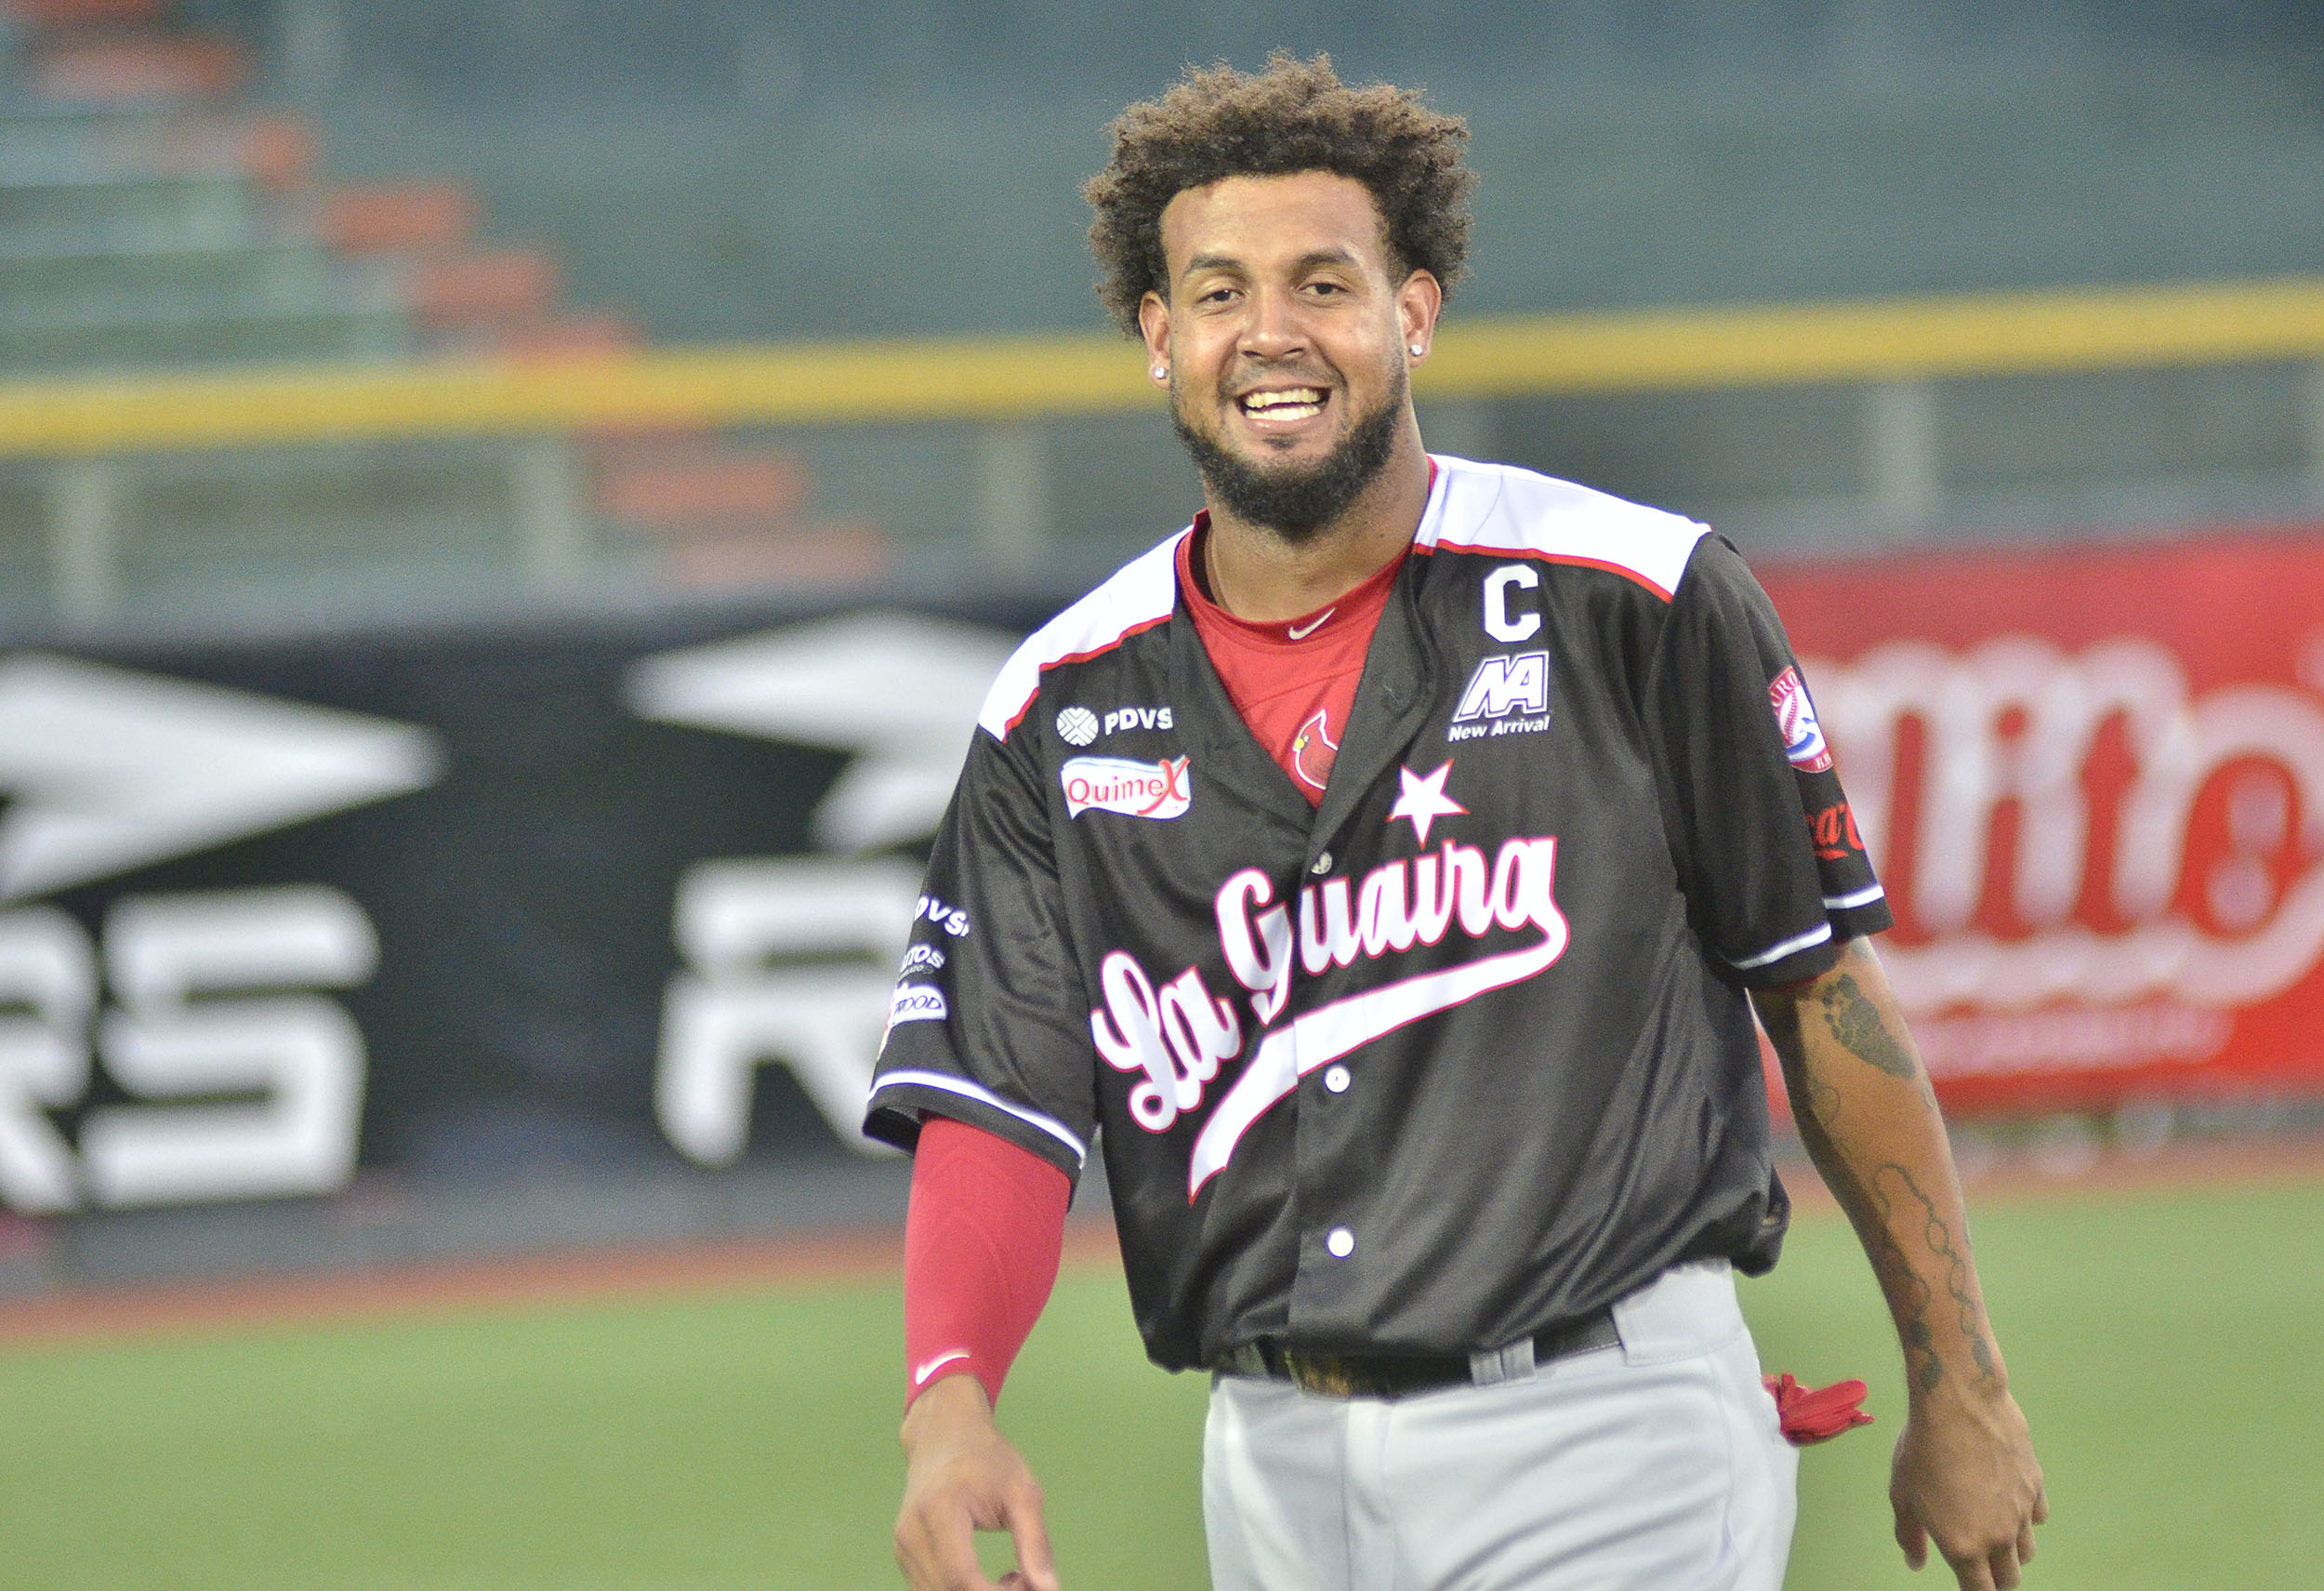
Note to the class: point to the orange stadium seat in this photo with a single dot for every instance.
(397, 216)
(128, 69)
(478, 289)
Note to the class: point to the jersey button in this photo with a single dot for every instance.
(1337, 1080)
(1322, 865)
(1341, 1242)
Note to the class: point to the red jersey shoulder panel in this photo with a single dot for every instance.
(1140, 595)
(1499, 510)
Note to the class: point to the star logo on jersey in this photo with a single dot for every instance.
(1423, 800)
(1314, 750)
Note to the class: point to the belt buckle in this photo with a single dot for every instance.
(1325, 1375)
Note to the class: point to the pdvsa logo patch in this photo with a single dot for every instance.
(1079, 726)
(1135, 790)
(1795, 717)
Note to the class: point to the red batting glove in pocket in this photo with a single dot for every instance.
(1815, 1416)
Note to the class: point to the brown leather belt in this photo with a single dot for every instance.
(1403, 1375)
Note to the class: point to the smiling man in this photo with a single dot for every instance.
(1383, 872)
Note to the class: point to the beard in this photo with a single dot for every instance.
(1295, 501)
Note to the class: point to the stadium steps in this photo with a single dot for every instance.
(60, 272)
(240, 326)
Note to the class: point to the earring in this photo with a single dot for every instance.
(1161, 373)
(1417, 351)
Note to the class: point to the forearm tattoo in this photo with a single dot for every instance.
(1873, 1202)
(1856, 1022)
(1890, 1185)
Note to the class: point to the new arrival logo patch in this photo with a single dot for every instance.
(1507, 694)
(1795, 717)
(1135, 790)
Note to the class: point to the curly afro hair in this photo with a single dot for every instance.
(1296, 115)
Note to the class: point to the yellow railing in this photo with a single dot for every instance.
(1010, 379)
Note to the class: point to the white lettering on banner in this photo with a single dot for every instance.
(2013, 722)
(1180, 1034)
(181, 1050)
(48, 985)
(761, 984)
(785, 956)
(2073, 1040)
(1117, 784)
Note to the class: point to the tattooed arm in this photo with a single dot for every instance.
(1964, 1473)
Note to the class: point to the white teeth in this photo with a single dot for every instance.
(1294, 403)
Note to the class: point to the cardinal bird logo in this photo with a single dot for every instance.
(1314, 749)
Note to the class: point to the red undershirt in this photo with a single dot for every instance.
(987, 1221)
(1292, 679)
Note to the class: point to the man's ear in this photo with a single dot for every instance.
(1418, 302)
(1153, 324)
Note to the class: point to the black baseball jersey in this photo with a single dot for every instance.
(1464, 1051)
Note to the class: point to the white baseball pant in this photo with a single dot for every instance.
(1657, 1465)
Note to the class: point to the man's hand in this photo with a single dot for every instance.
(962, 1477)
(1965, 1477)
(1964, 1473)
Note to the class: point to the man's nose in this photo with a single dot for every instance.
(1272, 329)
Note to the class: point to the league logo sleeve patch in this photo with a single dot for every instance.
(913, 1003)
(1135, 790)
(1795, 717)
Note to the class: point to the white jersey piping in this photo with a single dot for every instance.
(1499, 510)
(1791, 946)
(983, 1095)
(1140, 595)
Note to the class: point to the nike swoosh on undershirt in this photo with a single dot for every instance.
(932, 1366)
(1303, 634)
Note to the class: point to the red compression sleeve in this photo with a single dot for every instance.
(981, 1246)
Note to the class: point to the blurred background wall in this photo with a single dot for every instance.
(507, 507)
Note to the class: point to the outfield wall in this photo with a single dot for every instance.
(628, 894)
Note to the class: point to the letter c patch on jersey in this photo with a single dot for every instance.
(1500, 623)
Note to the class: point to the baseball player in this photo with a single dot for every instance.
(1383, 873)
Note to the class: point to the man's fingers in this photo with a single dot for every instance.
(2004, 1565)
(2041, 1506)
(1025, 1527)
(1913, 1539)
(937, 1548)
(1975, 1574)
(2025, 1541)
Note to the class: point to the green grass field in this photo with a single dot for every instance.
(2165, 1345)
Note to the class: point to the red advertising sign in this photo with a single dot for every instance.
(2093, 781)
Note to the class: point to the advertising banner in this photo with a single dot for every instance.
(636, 891)
(2093, 781)
(468, 905)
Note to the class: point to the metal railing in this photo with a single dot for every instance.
(1896, 353)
